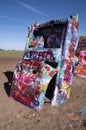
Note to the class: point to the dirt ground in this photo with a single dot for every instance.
(16, 116)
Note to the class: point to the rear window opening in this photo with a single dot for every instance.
(51, 34)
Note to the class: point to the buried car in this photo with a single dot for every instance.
(80, 70)
(46, 69)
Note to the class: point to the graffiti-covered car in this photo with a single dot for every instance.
(46, 70)
(80, 70)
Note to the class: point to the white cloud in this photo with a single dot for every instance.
(31, 8)
(11, 18)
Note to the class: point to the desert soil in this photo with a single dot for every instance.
(16, 116)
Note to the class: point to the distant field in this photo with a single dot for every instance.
(11, 54)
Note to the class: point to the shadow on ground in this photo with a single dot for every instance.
(7, 85)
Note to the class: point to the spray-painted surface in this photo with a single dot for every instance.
(46, 69)
(81, 68)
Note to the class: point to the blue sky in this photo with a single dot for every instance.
(17, 15)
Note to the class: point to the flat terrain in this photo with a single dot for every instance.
(16, 116)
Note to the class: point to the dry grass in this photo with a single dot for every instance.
(11, 54)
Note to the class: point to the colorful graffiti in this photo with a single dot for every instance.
(48, 57)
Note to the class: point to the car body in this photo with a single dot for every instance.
(46, 69)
